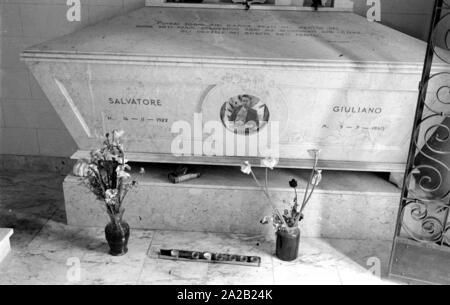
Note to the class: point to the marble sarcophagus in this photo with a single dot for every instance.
(307, 80)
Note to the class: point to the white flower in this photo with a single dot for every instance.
(109, 156)
(265, 220)
(96, 155)
(121, 171)
(123, 174)
(269, 162)
(118, 133)
(93, 168)
(123, 167)
(267, 152)
(317, 177)
(246, 168)
(314, 152)
(111, 196)
(95, 152)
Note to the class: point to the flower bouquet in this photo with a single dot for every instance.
(286, 224)
(109, 179)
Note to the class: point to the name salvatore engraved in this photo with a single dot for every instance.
(135, 101)
(353, 109)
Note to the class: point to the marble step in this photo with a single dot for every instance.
(5, 246)
(345, 205)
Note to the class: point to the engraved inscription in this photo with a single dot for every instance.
(135, 101)
(361, 110)
(281, 30)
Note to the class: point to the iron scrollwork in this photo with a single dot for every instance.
(425, 206)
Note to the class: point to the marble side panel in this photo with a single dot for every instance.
(359, 118)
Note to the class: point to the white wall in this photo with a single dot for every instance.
(28, 123)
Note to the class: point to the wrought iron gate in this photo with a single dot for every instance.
(421, 247)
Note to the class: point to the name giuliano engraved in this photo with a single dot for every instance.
(135, 101)
(348, 109)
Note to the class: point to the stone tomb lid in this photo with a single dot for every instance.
(261, 37)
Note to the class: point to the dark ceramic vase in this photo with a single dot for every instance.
(117, 233)
(287, 244)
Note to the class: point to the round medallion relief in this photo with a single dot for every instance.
(244, 114)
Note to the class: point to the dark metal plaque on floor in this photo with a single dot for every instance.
(209, 257)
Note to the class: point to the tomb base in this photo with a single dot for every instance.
(345, 205)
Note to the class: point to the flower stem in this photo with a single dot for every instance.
(307, 199)
(266, 183)
(308, 194)
(266, 192)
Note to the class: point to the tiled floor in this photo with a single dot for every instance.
(46, 251)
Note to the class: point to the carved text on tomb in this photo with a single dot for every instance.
(135, 101)
(297, 30)
(362, 110)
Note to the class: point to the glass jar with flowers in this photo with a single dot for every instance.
(109, 179)
(286, 224)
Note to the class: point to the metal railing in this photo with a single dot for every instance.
(423, 217)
